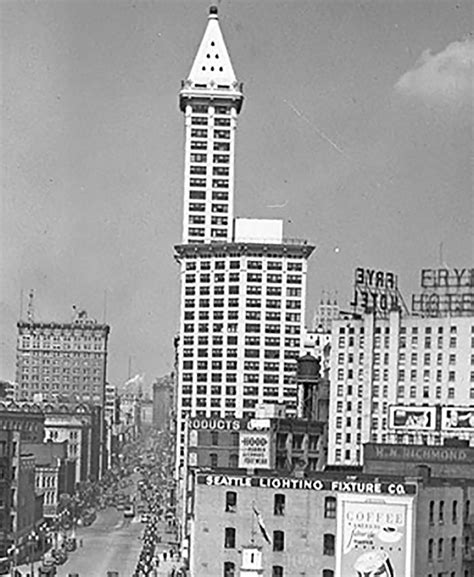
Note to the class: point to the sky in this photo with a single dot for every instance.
(356, 130)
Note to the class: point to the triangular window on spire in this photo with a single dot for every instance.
(212, 62)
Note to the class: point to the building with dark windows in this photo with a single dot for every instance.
(21, 506)
(62, 359)
(398, 375)
(243, 284)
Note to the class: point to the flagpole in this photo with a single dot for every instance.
(252, 531)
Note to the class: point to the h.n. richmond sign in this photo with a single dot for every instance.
(419, 454)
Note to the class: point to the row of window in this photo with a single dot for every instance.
(201, 195)
(278, 541)
(218, 289)
(200, 157)
(251, 264)
(250, 340)
(234, 302)
(270, 278)
(350, 341)
(441, 552)
(277, 571)
(204, 108)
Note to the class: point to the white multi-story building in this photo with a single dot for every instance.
(242, 283)
(400, 379)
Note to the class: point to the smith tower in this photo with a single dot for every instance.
(243, 284)
(211, 99)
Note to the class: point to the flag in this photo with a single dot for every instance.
(261, 524)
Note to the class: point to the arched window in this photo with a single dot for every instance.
(441, 512)
(229, 569)
(329, 544)
(453, 546)
(440, 548)
(330, 507)
(430, 549)
(431, 513)
(229, 538)
(278, 541)
(328, 573)
(454, 516)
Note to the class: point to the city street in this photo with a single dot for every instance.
(110, 544)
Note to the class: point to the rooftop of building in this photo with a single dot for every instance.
(46, 454)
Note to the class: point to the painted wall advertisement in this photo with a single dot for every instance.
(254, 450)
(457, 419)
(374, 536)
(412, 418)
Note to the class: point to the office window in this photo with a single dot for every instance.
(440, 548)
(453, 546)
(212, 458)
(430, 549)
(441, 512)
(328, 544)
(279, 504)
(278, 540)
(229, 569)
(431, 512)
(330, 507)
(277, 571)
(234, 461)
(454, 515)
(229, 538)
(230, 502)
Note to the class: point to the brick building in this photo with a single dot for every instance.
(423, 525)
(70, 359)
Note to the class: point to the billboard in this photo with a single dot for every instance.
(374, 536)
(254, 450)
(411, 418)
(457, 419)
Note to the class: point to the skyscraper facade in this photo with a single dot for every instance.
(68, 359)
(243, 285)
(400, 379)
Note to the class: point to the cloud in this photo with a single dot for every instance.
(444, 78)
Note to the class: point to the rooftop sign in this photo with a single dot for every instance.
(445, 292)
(375, 291)
(373, 487)
(419, 453)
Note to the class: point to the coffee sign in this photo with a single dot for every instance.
(374, 538)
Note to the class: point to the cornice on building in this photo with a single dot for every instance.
(288, 246)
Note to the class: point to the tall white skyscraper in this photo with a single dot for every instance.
(211, 99)
(243, 286)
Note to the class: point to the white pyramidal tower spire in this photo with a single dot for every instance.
(211, 99)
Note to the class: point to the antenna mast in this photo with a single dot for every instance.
(30, 311)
